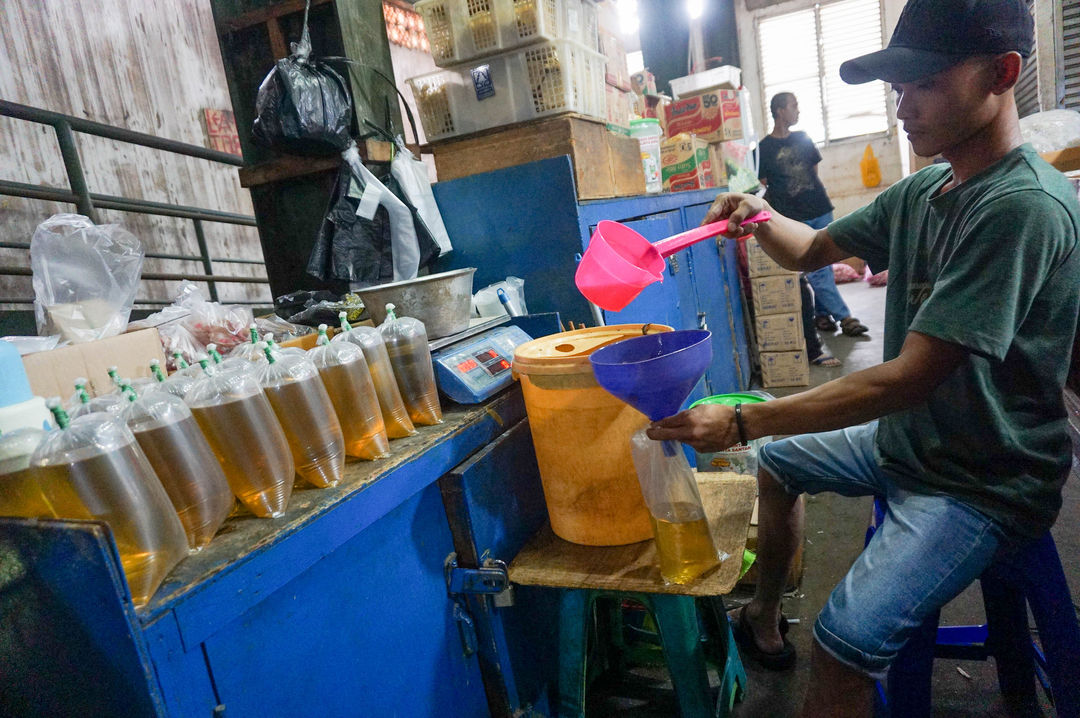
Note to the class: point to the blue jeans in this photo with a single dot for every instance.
(827, 299)
(926, 551)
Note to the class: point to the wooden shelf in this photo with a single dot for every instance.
(289, 166)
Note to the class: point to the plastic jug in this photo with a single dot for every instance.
(20, 487)
(407, 344)
(303, 407)
(395, 416)
(92, 468)
(344, 372)
(182, 459)
(236, 418)
(19, 407)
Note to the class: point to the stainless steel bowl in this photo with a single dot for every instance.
(443, 302)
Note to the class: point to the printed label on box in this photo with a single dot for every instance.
(686, 164)
(481, 77)
(776, 295)
(760, 263)
(713, 116)
(732, 114)
(784, 369)
(780, 333)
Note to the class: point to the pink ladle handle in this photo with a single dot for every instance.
(679, 242)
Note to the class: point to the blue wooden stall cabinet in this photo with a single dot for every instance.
(342, 607)
(526, 221)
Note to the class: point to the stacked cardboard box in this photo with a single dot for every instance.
(618, 87)
(777, 320)
(689, 163)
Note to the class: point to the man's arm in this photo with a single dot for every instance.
(790, 243)
(904, 382)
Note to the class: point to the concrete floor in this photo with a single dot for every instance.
(835, 528)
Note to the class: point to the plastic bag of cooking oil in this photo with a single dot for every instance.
(684, 543)
(299, 398)
(236, 418)
(407, 344)
(395, 415)
(182, 459)
(20, 490)
(92, 468)
(344, 372)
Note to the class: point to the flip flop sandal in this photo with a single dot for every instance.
(825, 324)
(780, 660)
(853, 327)
(826, 360)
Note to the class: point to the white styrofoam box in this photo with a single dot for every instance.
(777, 294)
(779, 332)
(785, 369)
(545, 79)
(460, 31)
(760, 263)
(727, 77)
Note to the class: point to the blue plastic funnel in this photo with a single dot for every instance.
(656, 372)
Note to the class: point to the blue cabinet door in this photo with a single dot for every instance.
(718, 297)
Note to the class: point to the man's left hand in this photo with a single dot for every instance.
(710, 427)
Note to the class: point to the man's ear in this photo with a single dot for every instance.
(1006, 69)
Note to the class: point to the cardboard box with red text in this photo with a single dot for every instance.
(686, 164)
(714, 116)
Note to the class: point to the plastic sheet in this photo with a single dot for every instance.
(84, 277)
(1051, 130)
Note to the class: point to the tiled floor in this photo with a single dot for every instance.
(834, 536)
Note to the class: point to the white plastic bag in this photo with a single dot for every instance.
(85, 277)
(487, 302)
(405, 247)
(412, 175)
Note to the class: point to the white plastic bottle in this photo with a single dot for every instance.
(647, 132)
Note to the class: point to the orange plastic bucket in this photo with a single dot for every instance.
(581, 434)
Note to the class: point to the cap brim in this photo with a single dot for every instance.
(896, 64)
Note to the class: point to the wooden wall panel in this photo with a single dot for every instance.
(149, 67)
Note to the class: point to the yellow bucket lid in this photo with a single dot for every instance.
(568, 352)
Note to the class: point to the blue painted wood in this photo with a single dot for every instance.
(70, 644)
(495, 503)
(187, 689)
(367, 631)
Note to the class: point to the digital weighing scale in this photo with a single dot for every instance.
(475, 364)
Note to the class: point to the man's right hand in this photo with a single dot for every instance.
(736, 208)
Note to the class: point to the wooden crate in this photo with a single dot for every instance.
(605, 164)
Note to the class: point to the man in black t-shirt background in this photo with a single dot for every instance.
(788, 169)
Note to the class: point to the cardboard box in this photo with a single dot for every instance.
(685, 164)
(727, 77)
(643, 82)
(619, 106)
(780, 332)
(777, 294)
(617, 72)
(760, 263)
(605, 164)
(714, 116)
(1065, 160)
(54, 372)
(785, 369)
(719, 170)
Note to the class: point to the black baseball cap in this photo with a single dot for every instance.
(933, 35)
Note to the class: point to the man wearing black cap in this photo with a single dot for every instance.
(962, 429)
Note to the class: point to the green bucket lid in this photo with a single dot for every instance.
(729, 399)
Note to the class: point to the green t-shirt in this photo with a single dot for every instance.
(991, 265)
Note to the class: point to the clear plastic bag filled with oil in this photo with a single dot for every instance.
(395, 415)
(407, 344)
(92, 468)
(20, 488)
(244, 433)
(183, 461)
(345, 374)
(299, 398)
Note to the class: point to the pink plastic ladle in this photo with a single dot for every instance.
(619, 262)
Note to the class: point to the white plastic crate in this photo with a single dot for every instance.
(460, 31)
(545, 79)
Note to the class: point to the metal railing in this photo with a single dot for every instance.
(88, 202)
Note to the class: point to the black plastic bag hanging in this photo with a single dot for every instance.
(303, 105)
(358, 246)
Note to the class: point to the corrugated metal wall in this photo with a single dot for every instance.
(147, 66)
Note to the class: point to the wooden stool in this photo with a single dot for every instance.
(590, 573)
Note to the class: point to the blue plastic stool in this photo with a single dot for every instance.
(1010, 586)
(680, 634)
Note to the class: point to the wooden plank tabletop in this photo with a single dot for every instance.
(548, 560)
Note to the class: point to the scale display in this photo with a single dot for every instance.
(475, 368)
